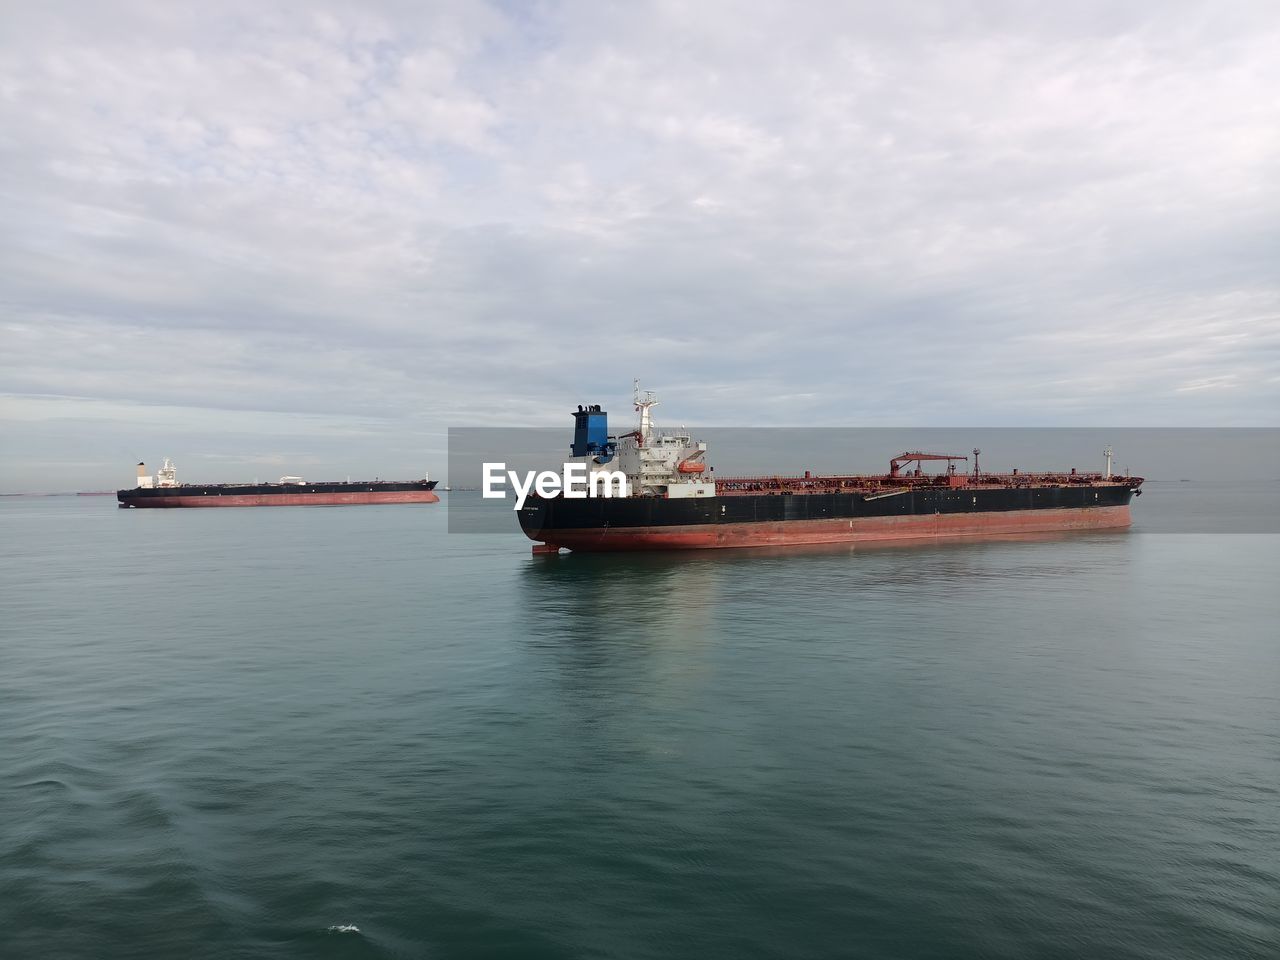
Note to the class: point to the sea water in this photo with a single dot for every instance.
(343, 732)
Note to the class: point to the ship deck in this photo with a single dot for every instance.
(886, 484)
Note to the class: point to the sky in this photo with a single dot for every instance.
(267, 238)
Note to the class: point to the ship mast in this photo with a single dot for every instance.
(643, 402)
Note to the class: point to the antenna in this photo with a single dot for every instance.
(976, 451)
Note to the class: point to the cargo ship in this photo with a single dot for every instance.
(675, 501)
(163, 490)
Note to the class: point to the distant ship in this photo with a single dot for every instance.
(163, 490)
(675, 501)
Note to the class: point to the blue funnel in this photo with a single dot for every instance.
(591, 434)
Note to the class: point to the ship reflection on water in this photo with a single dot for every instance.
(594, 597)
(607, 629)
(623, 604)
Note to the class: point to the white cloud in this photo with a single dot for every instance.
(460, 213)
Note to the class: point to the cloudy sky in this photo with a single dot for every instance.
(269, 237)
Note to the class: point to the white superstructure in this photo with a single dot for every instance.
(166, 476)
(659, 463)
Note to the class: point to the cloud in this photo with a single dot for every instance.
(841, 214)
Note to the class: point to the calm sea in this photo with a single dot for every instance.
(232, 733)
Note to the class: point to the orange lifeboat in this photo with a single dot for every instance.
(691, 466)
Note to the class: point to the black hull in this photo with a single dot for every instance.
(542, 518)
(293, 493)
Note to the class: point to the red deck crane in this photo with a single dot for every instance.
(896, 464)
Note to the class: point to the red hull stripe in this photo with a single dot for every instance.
(935, 526)
(288, 499)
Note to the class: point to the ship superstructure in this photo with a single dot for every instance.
(657, 463)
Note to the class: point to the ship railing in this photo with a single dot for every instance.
(881, 482)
